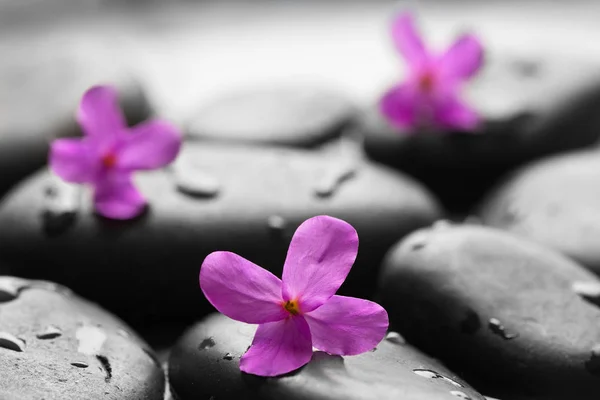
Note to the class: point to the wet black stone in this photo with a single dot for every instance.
(64, 368)
(41, 83)
(380, 375)
(539, 333)
(528, 112)
(554, 202)
(300, 115)
(179, 230)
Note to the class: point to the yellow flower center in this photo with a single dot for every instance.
(292, 307)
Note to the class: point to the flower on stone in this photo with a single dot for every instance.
(429, 96)
(300, 311)
(108, 154)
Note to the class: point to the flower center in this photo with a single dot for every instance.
(292, 307)
(109, 160)
(426, 82)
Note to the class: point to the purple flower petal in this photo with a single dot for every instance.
(452, 113)
(347, 325)
(150, 145)
(463, 59)
(408, 41)
(99, 113)
(399, 105)
(116, 197)
(241, 289)
(319, 258)
(73, 160)
(278, 348)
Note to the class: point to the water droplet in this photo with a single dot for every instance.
(441, 224)
(63, 380)
(61, 205)
(50, 332)
(276, 224)
(228, 357)
(460, 394)
(471, 323)
(91, 339)
(79, 364)
(195, 182)
(589, 291)
(593, 364)
(206, 344)
(497, 328)
(123, 333)
(395, 337)
(9, 289)
(334, 177)
(427, 373)
(10, 342)
(105, 366)
(417, 246)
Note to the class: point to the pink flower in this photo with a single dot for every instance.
(110, 152)
(301, 310)
(429, 95)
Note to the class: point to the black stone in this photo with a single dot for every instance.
(107, 261)
(539, 335)
(555, 202)
(525, 116)
(390, 372)
(88, 360)
(288, 115)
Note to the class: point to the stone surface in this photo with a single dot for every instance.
(291, 115)
(497, 308)
(55, 345)
(556, 202)
(531, 105)
(41, 84)
(205, 363)
(148, 268)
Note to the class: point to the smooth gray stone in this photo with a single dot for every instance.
(289, 115)
(556, 202)
(205, 363)
(509, 314)
(54, 345)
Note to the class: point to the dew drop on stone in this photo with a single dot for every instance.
(417, 246)
(206, 344)
(276, 224)
(123, 333)
(497, 328)
(79, 364)
(395, 337)
(9, 290)
(195, 182)
(62, 201)
(460, 395)
(228, 357)
(334, 177)
(589, 291)
(152, 355)
(91, 339)
(426, 373)
(106, 367)
(10, 342)
(50, 332)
